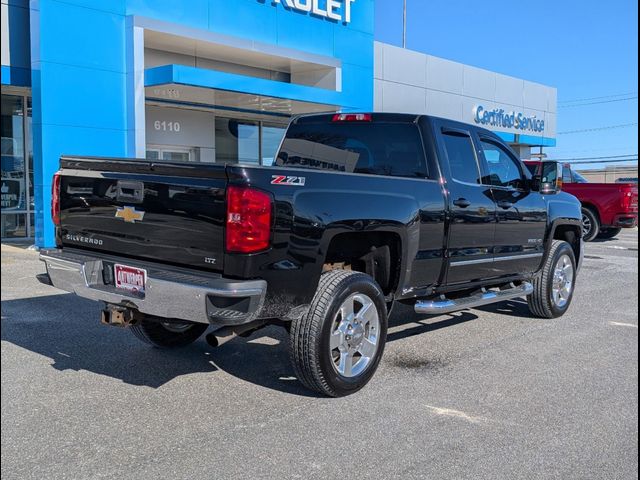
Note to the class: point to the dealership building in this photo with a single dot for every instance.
(215, 81)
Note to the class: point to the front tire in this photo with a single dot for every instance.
(337, 346)
(609, 233)
(590, 225)
(163, 334)
(553, 287)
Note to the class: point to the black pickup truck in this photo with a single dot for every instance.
(359, 211)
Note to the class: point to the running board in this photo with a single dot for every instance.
(444, 305)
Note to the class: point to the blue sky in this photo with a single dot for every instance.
(584, 48)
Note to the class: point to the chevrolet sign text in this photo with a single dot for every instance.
(338, 10)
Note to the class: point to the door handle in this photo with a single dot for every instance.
(505, 205)
(462, 203)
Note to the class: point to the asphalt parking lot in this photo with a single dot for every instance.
(488, 393)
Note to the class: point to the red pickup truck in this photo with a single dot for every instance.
(607, 208)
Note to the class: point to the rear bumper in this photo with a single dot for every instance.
(626, 220)
(169, 293)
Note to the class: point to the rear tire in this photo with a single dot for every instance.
(553, 287)
(590, 225)
(161, 334)
(337, 346)
(609, 233)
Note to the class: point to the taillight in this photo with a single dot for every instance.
(55, 199)
(248, 220)
(353, 117)
(629, 199)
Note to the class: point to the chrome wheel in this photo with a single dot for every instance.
(354, 336)
(562, 281)
(587, 225)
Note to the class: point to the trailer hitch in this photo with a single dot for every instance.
(122, 317)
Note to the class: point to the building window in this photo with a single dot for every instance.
(170, 153)
(17, 167)
(237, 141)
(271, 138)
(175, 134)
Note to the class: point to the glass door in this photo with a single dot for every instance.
(17, 162)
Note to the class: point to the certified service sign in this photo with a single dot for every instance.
(498, 117)
(338, 10)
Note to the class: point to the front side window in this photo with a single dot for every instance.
(503, 169)
(375, 148)
(462, 157)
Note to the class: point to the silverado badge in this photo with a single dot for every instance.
(130, 214)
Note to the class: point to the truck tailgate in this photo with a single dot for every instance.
(170, 213)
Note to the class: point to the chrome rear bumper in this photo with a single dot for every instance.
(169, 293)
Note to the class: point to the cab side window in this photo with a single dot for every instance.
(566, 175)
(503, 169)
(462, 157)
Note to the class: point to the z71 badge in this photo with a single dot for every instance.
(290, 181)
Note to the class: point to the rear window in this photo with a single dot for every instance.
(375, 148)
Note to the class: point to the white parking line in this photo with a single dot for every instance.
(619, 324)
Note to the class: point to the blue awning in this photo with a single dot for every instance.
(231, 82)
(531, 140)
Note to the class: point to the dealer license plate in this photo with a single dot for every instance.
(130, 279)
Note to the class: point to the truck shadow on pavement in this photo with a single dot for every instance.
(66, 329)
(402, 315)
(513, 308)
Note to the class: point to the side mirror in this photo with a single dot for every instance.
(548, 178)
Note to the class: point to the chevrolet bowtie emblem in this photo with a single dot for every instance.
(130, 214)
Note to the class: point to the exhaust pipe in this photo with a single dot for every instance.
(226, 334)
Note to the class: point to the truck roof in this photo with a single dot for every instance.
(375, 117)
(314, 119)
